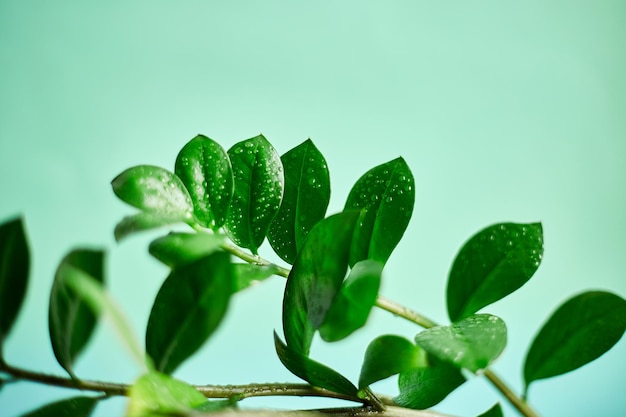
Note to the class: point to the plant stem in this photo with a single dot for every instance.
(521, 405)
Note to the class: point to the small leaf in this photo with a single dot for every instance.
(389, 355)
(145, 220)
(177, 249)
(14, 268)
(156, 394)
(71, 407)
(311, 371)
(188, 308)
(306, 197)
(491, 265)
(495, 411)
(388, 193)
(316, 278)
(248, 275)
(204, 167)
(258, 191)
(352, 305)
(579, 331)
(70, 320)
(472, 343)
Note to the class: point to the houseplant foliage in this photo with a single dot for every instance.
(232, 201)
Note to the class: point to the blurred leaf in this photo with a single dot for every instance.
(70, 320)
(204, 167)
(472, 343)
(352, 305)
(156, 395)
(316, 278)
(145, 220)
(248, 275)
(176, 249)
(258, 191)
(579, 331)
(14, 267)
(389, 355)
(306, 197)
(311, 371)
(71, 407)
(492, 264)
(388, 193)
(188, 308)
(495, 411)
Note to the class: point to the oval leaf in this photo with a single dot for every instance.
(472, 343)
(579, 331)
(495, 411)
(248, 275)
(71, 407)
(491, 265)
(70, 320)
(304, 203)
(188, 308)
(14, 268)
(387, 192)
(177, 249)
(145, 220)
(204, 167)
(258, 191)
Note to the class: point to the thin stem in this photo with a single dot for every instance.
(521, 405)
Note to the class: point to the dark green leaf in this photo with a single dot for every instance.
(145, 220)
(156, 395)
(472, 343)
(307, 193)
(176, 249)
(425, 387)
(204, 168)
(316, 278)
(14, 266)
(311, 371)
(258, 191)
(248, 275)
(70, 320)
(492, 264)
(495, 411)
(352, 305)
(389, 355)
(71, 407)
(215, 405)
(579, 331)
(188, 308)
(388, 193)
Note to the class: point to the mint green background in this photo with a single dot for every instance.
(505, 111)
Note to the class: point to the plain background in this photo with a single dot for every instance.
(505, 111)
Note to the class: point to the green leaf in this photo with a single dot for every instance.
(156, 395)
(425, 387)
(316, 278)
(188, 308)
(311, 371)
(247, 275)
(145, 220)
(306, 197)
(495, 411)
(472, 343)
(352, 305)
(204, 167)
(491, 265)
(71, 407)
(258, 191)
(70, 320)
(389, 355)
(14, 267)
(579, 331)
(387, 192)
(177, 249)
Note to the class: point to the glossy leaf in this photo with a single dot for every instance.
(311, 371)
(304, 203)
(388, 193)
(316, 278)
(14, 268)
(472, 343)
(258, 191)
(177, 249)
(204, 167)
(352, 305)
(145, 220)
(579, 331)
(70, 407)
(247, 275)
(492, 264)
(70, 320)
(495, 411)
(389, 355)
(156, 394)
(188, 308)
